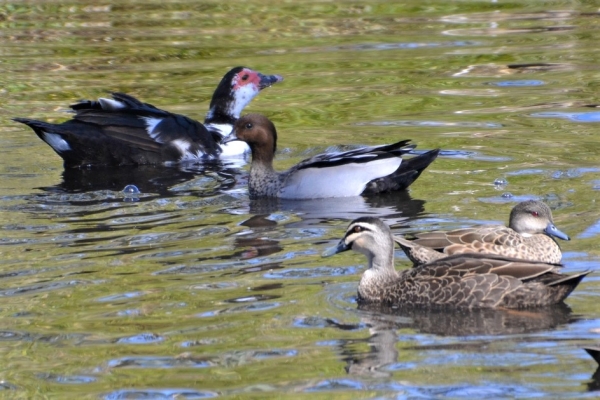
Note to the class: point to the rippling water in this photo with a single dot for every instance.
(190, 290)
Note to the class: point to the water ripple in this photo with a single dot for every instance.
(430, 124)
(158, 394)
(161, 362)
(592, 116)
(142, 338)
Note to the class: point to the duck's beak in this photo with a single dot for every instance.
(268, 80)
(552, 230)
(341, 246)
(229, 138)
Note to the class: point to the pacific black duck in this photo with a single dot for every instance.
(459, 281)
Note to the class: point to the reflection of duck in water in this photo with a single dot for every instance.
(460, 281)
(529, 236)
(205, 179)
(383, 324)
(594, 351)
(393, 208)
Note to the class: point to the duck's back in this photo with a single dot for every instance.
(488, 239)
(475, 281)
(124, 131)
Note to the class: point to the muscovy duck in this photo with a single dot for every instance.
(125, 131)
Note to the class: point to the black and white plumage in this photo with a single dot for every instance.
(366, 170)
(530, 236)
(126, 131)
(459, 281)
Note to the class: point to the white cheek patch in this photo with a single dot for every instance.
(56, 142)
(243, 96)
(151, 124)
(110, 104)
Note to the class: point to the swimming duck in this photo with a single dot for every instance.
(458, 281)
(529, 236)
(125, 131)
(594, 352)
(366, 170)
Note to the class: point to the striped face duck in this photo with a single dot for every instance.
(530, 235)
(459, 281)
(124, 131)
(363, 171)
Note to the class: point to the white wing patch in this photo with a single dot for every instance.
(110, 104)
(221, 129)
(151, 124)
(339, 181)
(184, 148)
(56, 142)
(235, 149)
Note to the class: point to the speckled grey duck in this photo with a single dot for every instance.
(366, 170)
(459, 281)
(530, 236)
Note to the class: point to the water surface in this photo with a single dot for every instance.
(190, 290)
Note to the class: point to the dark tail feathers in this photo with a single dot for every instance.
(408, 172)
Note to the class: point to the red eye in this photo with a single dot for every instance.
(535, 214)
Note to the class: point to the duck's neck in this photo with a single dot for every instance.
(264, 181)
(380, 274)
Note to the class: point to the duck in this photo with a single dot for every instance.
(594, 352)
(471, 281)
(122, 130)
(530, 235)
(362, 171)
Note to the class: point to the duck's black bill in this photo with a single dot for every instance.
(268, 80)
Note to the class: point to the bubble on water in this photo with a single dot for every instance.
(131, 193)
(500, 182)
(131, 189)
(507, 195)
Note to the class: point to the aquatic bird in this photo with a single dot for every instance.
(530, 236)
(125, 131)
(459, 281)
(366, 170)
(594, 352)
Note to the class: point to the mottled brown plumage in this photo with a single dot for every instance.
(529, 236)
(459, 281)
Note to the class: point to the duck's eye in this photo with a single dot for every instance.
(245, 77)
(249, 125)
(535, 213)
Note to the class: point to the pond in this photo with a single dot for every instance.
(192, 290)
